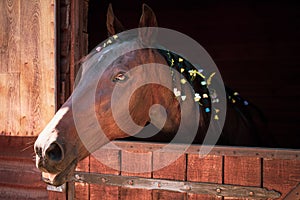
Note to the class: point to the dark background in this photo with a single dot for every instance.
(255, 44)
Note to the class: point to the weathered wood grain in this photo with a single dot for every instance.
(10, 101)
(135, 194)
(57, 195)
(244, 171)
(203, 197)
(27, 59)
(4, 38)
(17, 173)
(240, 168)
(216, 189)
(3, 101)
(136, 163)
(13, 14)
(204, 169)
(281, 175)
(9, 36)
(269, 153)
(19, 178)
(294, 194)
(17, 147)
(167, 170)
(79, 36)
(104, 192)
(13, 105)
(23, 193)
(166, 195)
(175, 170)
(82, 190)
(105, 162)
(37, 67)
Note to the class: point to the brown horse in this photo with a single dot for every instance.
(159, 106)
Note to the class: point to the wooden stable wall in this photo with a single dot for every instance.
(27, 92)
(230, 168)
(19, 178)
(260, 168)
(73, 44)
(27, 66)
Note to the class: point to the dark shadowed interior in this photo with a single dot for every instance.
(255, 45)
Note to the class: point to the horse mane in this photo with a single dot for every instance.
(252, 117)
(249, 116)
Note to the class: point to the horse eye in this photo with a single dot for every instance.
(120, 77)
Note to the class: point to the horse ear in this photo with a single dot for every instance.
(113, 25)
(148, 18)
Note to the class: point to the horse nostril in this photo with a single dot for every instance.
(54, 152)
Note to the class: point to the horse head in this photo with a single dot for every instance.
(127, 94)
(127, 89)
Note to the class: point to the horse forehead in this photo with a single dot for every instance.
(142, 56)
(117, 56)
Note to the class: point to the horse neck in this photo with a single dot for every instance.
(186, 98)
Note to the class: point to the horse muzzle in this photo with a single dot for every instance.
(61, 177)
(50, 159)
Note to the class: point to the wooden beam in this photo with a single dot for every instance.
(176, 186)
(267, 153)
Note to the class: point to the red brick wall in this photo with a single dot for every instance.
(255, 44)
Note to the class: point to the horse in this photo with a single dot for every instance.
(59, 147)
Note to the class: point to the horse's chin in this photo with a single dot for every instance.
(61, 177)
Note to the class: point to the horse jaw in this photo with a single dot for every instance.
(61, 177)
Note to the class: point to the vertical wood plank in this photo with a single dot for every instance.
(103, 192)
(57, 195)
(64, 49)
(27, 58)
(10, 36)
(4, 38)
(281, 175)
(9, 66)
(245, 171)
(204, 169)
(173, 171)
(203, 197)
(37, 77)
(3, 101)
(105, 162)
(74, 53)
(79, 36)
(82, 189)
(166, 195)
(13, 104)
(10, 101)
(136, 163)
(135, 194)
(13, 14)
